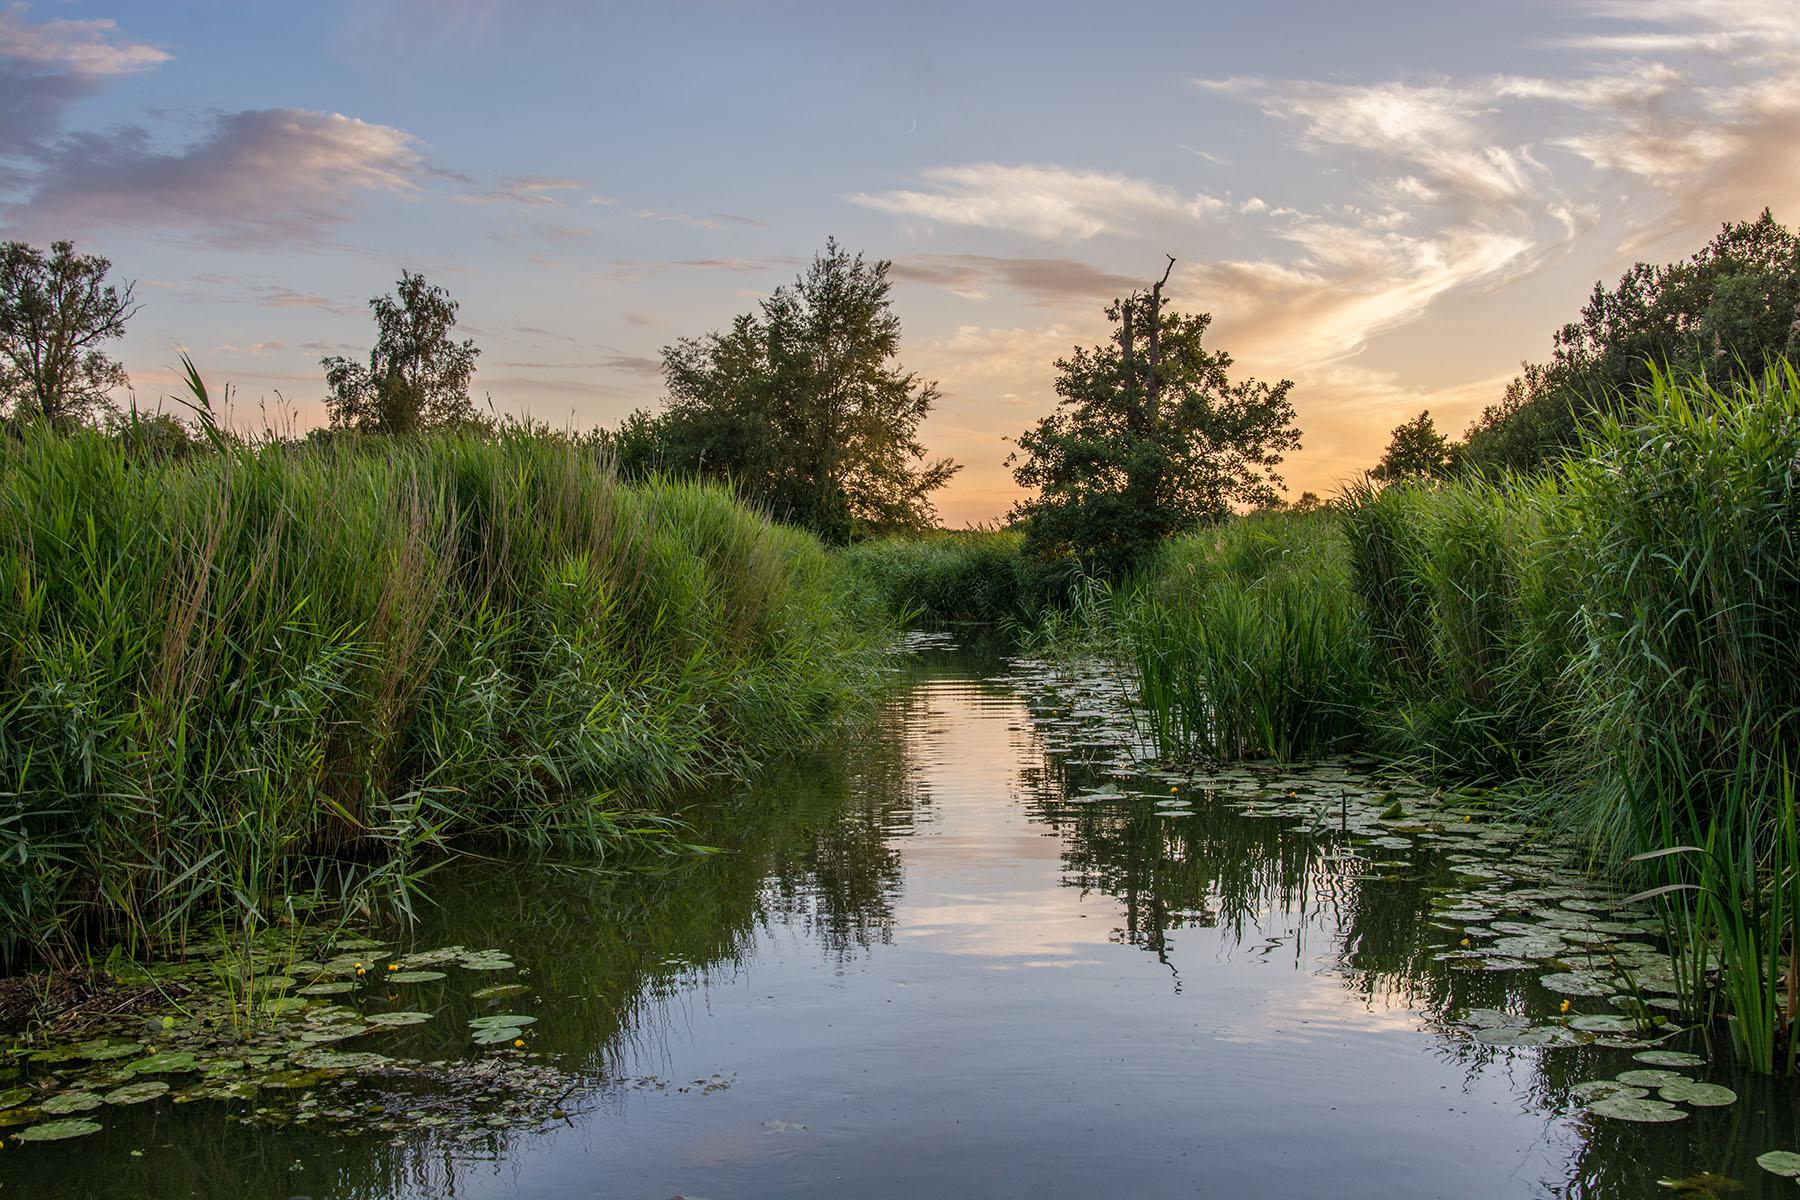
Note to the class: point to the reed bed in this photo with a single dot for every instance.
(302, 670)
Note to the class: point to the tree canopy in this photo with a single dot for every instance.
(56, 311)
(1728, 311)
(417, 376)
(802, 407)
(1416, 450)
(1150, 437)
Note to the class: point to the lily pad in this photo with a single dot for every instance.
(1668, 1058)
(137, 1093)
(1784, 1163)
(395, 1019)
(1602, 1023)
(105, 1049)
(1654, 1078)
(1606, 1089)
(341, 1060)
(170, 1063)
(328, 989)
(1626, 1108)
(70, 1102)
(498, 1035)
(414, 976)
(1700, 1095)
(502, 1021)
(1575, 983)
(500, 991)
(56, 1131)
(14, 1096)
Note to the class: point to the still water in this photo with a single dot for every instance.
(930, 962)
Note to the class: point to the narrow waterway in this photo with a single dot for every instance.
(945, 959)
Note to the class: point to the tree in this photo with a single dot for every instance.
(1417, 451)
(417, 377)
(802, 406)
(56, 310)
(1150, 437)
(1730, 310)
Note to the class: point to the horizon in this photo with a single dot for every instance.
(1391, 236)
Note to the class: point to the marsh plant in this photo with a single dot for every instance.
(287, 669)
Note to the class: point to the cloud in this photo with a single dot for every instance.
(86, 48)
(257, 175)
(47, 67)
(1044, 279)
(528, 191)
(1438, 131)
(1038, 201)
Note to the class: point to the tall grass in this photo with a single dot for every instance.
(285, 668)
(963, 575)
(1622, 634)
(1246, 641)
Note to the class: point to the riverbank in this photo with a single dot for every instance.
(255, 677)
(1612, 643)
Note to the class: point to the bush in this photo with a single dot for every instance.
(971, 575)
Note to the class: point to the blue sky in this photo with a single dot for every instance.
(1391, 204)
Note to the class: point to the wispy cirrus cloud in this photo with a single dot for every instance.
(1044, 279)
(1038, 201)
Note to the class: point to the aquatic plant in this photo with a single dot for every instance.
(290, 669)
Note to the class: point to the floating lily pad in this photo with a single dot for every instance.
(502, 1021)
(1576, 983)
(170, 1063)
(328, 989)
(13, 1097)
(56, 1131)
(1603, 1023)
(1668, 1058)
(277, 1005)
(137, 1093)
(393, 1019)
(1784, 1163)
(106, 1049)
(497, 1035)
(1605, 1089)
(1653, 1079)
(1538, 1035)
(70, 1102)
(1627, 1108)
(341, 1060)
(414, 976)
(500, 991)
(295, 1079)
(1700, 1095)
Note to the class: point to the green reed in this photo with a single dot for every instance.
(280, 669)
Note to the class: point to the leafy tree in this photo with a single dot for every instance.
(417, 376)
(1417, 451)
(802, 406)
(1150, 437)
(1729, 311)
(56, 310)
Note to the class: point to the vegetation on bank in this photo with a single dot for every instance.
(1617, 634)
(274, 670)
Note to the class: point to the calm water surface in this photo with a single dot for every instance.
(918, 969)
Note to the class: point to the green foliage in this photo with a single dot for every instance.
(1416, 450)
(1469, 596)
(233, 677)
(802, 408)
(1150, 438)
(1246, 641)
(56, 311)
(417, 377)
(1728, 312)
(969, 575)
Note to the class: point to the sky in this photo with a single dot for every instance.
(1391, 204)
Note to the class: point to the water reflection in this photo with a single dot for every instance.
(922, 966)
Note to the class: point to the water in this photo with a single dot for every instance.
(921, 969)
